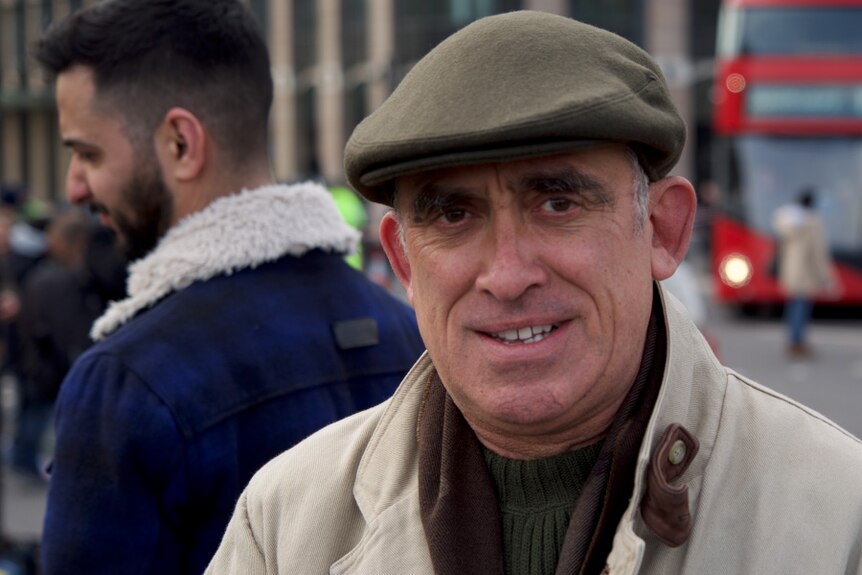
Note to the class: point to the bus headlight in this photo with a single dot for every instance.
(735, 270)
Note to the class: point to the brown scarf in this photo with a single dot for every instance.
(456, 495)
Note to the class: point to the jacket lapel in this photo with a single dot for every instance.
(386, 489)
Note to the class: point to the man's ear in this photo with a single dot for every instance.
(672, 207)
(181, 145)
(391, 240)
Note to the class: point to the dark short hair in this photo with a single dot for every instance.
(147, 56)
(807, 197)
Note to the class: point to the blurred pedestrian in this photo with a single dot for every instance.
(243, 329)
(57, 311)
(23, 247)
(9, 304)
(568, 417)
(804, 266)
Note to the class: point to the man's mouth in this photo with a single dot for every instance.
(101, 212)
(529, 334)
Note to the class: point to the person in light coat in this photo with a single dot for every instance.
(804, 266)
(568, 417)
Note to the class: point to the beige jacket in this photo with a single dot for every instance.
(774, 488)
(804, 264)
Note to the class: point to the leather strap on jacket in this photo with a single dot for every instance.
(608, 490)
(665, 505)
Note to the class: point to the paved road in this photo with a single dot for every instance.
(23, 506)
(830, 382)
(23, 499)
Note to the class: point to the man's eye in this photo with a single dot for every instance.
(558, 205)
(453, 216)
(86, 155)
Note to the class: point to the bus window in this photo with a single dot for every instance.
(809, 31)
(776, 168)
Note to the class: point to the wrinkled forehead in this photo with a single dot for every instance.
(592, 168)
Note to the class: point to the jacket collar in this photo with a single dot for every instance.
(235, 232)
(691, 397)
(394, 445)
(692, 390)
(386, 486)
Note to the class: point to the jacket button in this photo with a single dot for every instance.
(676, 455)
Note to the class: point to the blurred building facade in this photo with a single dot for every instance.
(335, 61)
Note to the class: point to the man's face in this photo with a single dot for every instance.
(122, 184)
(532, 284)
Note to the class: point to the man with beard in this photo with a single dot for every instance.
(243, 330)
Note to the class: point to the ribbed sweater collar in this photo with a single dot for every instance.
(535, 486)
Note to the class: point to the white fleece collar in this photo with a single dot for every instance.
(234, 232)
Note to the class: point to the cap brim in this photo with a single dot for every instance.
(376, 184)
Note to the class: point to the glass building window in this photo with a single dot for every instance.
(354, 44)
(354, 28)
(306, 152)
(304, 34)
(462, 13)
(305, 60)
(422, 24)
(623, 17)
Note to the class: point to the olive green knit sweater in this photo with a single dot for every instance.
(536, 499)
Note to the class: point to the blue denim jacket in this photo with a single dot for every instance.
(161, 425)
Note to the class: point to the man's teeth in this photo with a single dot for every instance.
(524, 334)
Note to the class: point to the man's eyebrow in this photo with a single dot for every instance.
(432, 197)
(564, 181)
(73, 142)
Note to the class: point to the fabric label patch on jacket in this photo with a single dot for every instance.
(353, 333)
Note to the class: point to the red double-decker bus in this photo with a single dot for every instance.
(788, 116)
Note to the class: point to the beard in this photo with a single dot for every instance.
(145, 215)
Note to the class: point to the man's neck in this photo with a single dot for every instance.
(197, 195)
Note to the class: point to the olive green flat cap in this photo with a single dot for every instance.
(517, 85)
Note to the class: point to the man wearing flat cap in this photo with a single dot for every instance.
(567, 417)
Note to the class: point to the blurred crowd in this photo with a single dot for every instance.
(58, 271)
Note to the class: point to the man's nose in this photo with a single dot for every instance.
(77, 189)
(511, 264)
